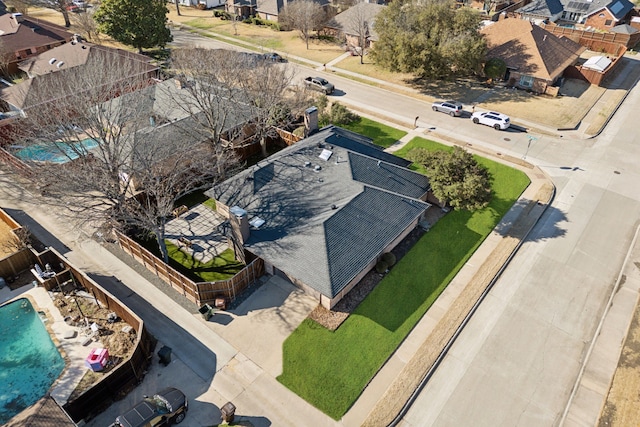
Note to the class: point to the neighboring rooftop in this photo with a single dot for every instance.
(77, 53)
(530, 49)
(19, 32)
(326, 220)
(349, 21)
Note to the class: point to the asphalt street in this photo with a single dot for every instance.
(516, 362)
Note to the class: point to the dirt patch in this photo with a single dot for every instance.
(7, 239)
(622, 407)
(80, 309)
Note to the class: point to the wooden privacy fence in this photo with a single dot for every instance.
(198, 293)
(177, 280)
(19, 261)
(288, 137)
(594, 77)
(18, 165)
(16, 263)
(230, 288)
(129, 372)
(607, 40)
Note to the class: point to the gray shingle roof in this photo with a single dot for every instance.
(274, 7)
(543, 8)
(349, 20)
(355, 142)
(324, 226)
(44, 413)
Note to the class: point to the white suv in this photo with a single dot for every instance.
(497, 121)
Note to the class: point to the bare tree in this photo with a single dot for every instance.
(122, 154)
(210, 80)
(177, 3)
(305, 16)
(5, 57)
(20, 239)
(272, 101)
(233, 90)
(359, 23)
(57, 5)
(87, 25)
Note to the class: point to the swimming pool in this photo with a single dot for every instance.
(29, 361)
(55, 152)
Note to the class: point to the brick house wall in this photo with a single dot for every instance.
(602, 20)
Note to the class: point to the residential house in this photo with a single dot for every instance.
(592, 14)
(78, 53)
(612, 14)
(269, 10)
(205, 4)
(65, 64)
(23, 37)
(241, 8)
(322, 211)
(535, 58)
(356, 24)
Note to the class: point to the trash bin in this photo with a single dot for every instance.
(206, 311)
(165, 355)
(228, 412)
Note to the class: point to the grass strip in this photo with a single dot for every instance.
(331, 369)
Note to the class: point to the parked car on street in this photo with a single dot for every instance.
(452, 108)
(320, 84)
(167, 407)
(272, 56)
(497, 121)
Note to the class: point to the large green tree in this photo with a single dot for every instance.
(456, 177)
(138, 23)
(429, 38)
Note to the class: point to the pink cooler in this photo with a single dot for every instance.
(97, 359)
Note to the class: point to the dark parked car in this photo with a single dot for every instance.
(453, 108)
(272, 56)
(167, 407)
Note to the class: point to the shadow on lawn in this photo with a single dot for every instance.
(434, 270)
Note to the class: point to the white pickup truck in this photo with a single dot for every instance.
(320, 84)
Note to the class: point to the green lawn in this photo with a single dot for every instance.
(330, 369)
(221, 267)
(196, 198)
(382, 135)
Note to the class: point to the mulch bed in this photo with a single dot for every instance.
(332, 319)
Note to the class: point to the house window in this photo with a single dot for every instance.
(601, 15)
(607, 23)
(526, 81)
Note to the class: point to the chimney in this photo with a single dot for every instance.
(239, 230)
(18, 17)
(311, 120)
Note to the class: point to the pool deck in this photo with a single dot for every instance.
(72, 349)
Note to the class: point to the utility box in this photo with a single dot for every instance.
(206, 311)
(228, 412)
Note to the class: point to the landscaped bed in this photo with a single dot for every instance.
(331, 369)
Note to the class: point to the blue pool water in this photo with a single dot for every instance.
(29, 361)
(55, 152)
